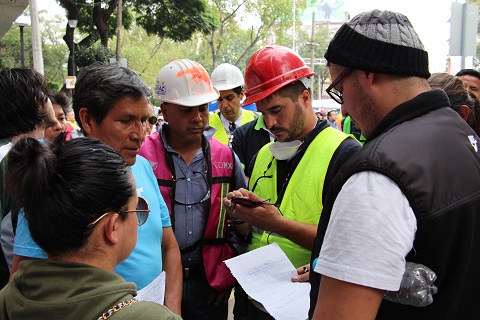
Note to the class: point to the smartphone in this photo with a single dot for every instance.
(247, 202)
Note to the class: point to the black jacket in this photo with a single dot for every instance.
(430, 153)
(247, 142)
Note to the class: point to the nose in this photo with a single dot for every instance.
(57, 127)
(196, 115)
(224, 103)
(269, 121)
(138, 130)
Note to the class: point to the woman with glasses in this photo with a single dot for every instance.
(82, 209)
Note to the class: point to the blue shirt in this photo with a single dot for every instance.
(191, 187)
(145, 262)
(333, 124)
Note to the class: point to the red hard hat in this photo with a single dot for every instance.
(270, 69)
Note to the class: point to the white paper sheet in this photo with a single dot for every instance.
(155, 291)
(265, 275)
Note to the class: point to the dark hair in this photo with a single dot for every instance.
(22, 103)
(65, 186)
(238, 90)
(329, 113)
(468, 72)
(292, 91)
(457, 93)
(99, 86)
(61, 99)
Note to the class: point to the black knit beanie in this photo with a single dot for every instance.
(379, 41)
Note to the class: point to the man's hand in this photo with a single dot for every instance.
(265, 216)
(303, 274)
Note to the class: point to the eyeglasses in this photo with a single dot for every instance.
(332, 91)
(142, 212)
(182, 181)
(152, 120)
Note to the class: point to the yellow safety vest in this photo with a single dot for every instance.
(302, 200)
(216, 122)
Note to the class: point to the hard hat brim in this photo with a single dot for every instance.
(193, 101)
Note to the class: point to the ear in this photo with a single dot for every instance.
(242, 93)
(369, 77)
(464, 112)
(86, 120)
(111, 228)
(305, 98)
(165, 112)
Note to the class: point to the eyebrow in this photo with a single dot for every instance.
(275, 107)
(231, 95)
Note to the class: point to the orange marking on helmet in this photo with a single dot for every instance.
(198, 74)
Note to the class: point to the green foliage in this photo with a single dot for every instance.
(10, 48)
(236, 29)
(55, 51)
(85, 17)
(97, 52)
(176, 20)
(54, 86)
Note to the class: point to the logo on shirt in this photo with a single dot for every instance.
(473, 141)
(223, 165)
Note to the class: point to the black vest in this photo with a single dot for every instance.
(427, 150)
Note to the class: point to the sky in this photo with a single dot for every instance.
(428, 17)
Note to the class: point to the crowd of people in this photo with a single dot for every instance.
(99, 195)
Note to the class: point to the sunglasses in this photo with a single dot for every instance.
(182, 181)
(152, 120)
(142, 212)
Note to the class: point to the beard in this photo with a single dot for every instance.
(295, 127)
(365, 114)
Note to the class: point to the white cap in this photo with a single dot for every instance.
(186, 83)
(226, 76)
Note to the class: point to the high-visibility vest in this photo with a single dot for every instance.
(216, 122)
(215, 246)
(302, 200)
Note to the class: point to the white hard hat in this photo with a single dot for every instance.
(186, 83)
(226, 76)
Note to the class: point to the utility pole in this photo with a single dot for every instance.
(313, 41)
(294, 24)
(119, 32)
(36, 42)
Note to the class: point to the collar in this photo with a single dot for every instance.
(423, 103)
(226, 122)
(208, 134)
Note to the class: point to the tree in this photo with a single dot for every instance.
(10, 48)
(54, 50)
(233, 42)
(320, 44)
(165, 18)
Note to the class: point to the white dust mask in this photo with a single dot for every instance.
(285, 150)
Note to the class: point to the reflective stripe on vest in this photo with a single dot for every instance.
(302, 201)
(221, 135)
